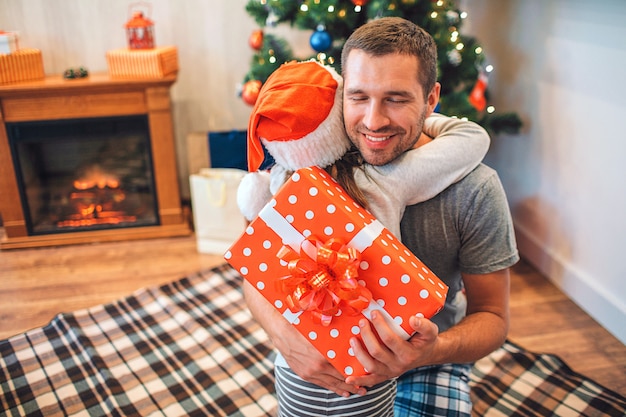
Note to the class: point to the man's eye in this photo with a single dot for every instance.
(397, 100)
(357, 98)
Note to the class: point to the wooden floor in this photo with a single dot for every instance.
(37, 284)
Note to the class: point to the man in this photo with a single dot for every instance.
(464, 235)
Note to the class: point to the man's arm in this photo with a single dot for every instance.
(301, 356)
(482, 331)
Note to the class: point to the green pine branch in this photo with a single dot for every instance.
(458, 68)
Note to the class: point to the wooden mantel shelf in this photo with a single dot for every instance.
(94, 82)
(95, 96)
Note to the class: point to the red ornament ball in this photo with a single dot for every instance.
(360, 2)
(250, 91)
(256, 39)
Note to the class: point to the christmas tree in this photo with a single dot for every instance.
(462, 71)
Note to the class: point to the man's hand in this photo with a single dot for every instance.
(299, 353)
(394, 355)
(483, 330)
(310, 365)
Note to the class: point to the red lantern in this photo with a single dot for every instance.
(359, 2)
(140, 32)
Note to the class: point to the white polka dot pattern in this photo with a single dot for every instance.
(311, 204)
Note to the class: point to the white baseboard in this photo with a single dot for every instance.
(597, 301)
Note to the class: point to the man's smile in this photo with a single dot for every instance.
(376, 139)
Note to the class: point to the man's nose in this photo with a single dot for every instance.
(375, 117)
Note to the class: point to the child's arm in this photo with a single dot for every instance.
(422, 173)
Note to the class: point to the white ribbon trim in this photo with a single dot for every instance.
(293, 238)
(290, 316)
(366, 236)
(397, 329)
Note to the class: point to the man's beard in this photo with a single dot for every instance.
(385, 156)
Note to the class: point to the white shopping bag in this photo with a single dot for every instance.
(217, 220)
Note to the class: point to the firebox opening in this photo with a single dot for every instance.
(84, 174)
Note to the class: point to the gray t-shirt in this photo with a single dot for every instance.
(466, 228)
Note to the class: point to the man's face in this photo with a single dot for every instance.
(384, 107)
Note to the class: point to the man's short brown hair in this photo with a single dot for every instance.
(395, 35)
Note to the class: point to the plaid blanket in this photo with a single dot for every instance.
(515, 382)
(191, 348)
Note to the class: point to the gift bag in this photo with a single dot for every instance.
(216, 216)
(228, 149)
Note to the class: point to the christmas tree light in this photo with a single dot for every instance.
(461, 68)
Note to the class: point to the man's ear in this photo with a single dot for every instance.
(433, 98)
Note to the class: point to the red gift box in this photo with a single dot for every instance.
(306, 249)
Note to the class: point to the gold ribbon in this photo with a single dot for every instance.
(324, 285)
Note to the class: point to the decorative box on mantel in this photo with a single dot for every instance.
(88, 160)
(22, 65)
(143, 63)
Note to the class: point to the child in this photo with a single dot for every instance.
(298, 118)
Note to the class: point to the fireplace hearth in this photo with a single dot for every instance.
(87, 160)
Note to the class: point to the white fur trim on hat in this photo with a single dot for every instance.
(253, 193)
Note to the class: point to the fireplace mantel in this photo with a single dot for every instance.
(96, 96)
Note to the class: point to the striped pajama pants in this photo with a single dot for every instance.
(440, 390)
(298, 398)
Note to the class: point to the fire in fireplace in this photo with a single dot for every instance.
(96, 199)
(84, 174)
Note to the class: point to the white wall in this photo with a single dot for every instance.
(561, 65)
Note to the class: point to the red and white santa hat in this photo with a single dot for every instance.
(298, 117)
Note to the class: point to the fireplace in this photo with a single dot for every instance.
(85, 174)
(86, 161)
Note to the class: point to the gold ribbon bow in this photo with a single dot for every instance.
(324, 285)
